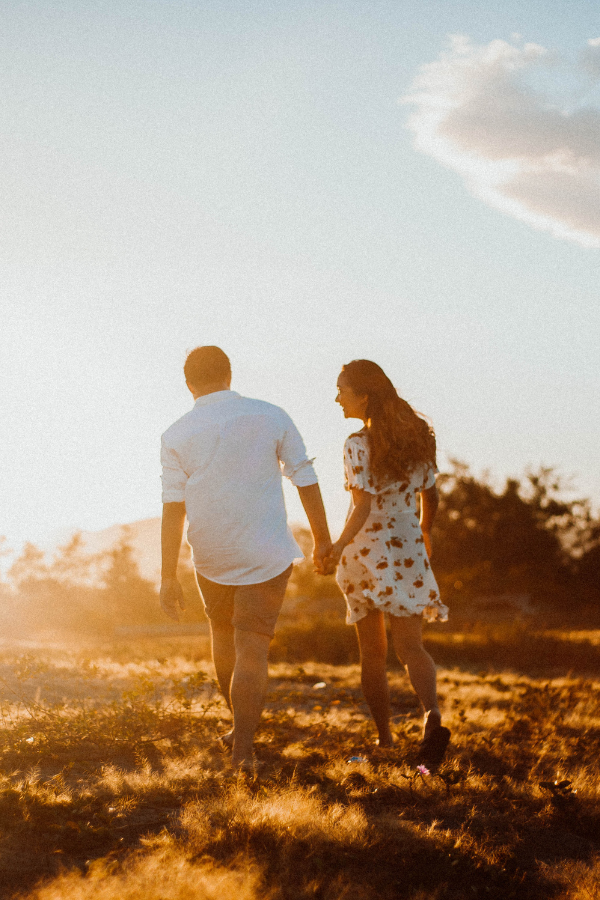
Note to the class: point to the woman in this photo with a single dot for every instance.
(383, 552)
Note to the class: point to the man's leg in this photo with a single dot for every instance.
(218, 602)
(257, 607)
(248, 687)
(223, 654)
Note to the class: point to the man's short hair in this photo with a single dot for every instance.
(205, 365)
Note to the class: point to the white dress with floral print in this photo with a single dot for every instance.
(386, 565)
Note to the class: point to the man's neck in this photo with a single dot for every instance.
(210, 388)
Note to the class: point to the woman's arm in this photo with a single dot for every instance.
(429, 503)
(361, 507)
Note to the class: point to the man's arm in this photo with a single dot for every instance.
(310, 496)
(171, 595)
(298, 468)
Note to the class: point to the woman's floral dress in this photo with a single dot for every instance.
(386, 565)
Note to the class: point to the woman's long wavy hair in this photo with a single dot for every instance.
(399, 438)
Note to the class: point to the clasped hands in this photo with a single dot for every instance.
(326, 557)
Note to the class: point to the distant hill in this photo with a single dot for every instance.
(144, 537)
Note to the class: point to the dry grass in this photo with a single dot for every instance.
(159, 873)
(112, 784)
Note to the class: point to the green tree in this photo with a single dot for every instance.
(523, 539)
(57, 594)
(128, 598)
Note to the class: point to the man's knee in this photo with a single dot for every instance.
(222, 632)
(222, 642)
(251, 646)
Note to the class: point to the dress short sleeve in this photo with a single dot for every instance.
(429, 475)
(356, 465)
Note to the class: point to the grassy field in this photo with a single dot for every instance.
(113, 784)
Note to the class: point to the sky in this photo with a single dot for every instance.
(302, 183)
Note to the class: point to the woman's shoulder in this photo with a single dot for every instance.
(356, 441)
(360, 436)
(423, 476)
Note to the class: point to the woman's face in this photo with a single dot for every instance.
(353, 405)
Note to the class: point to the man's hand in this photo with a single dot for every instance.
(331, 561)
(321, 550)
(171, 598)
(310, 495)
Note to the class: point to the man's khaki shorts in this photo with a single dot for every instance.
(249, 607)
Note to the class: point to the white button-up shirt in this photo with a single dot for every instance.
(225, 459)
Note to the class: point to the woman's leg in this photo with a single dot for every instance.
(372, 640)
(408, 644)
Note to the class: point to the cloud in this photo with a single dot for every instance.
(537, 159)
(590, 58)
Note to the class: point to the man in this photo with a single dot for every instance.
(222, 465)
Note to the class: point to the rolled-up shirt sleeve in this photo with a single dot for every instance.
(293, 459)
(173, 478)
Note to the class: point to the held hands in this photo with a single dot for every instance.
(321, 550)
(331, 561)
(171, 598)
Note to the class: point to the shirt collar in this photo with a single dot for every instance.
(216, 397)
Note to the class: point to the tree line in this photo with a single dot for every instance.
(526, 538)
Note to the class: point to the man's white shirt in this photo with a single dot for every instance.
(224, 459)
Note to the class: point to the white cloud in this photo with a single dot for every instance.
(522, 153)
(590, 58)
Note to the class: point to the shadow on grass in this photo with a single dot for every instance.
(329, 831)
(146, 773)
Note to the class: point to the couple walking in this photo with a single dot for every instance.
(222, 464)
